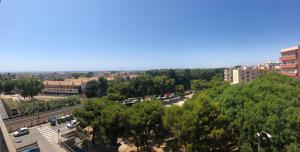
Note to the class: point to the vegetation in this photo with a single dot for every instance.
(29, 87)
(87, 75)
(220, 117)
(8, 86)
(28, 108)
(159, 82)
(96, 88)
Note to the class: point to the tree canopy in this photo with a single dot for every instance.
(29, 87)
(220, 117)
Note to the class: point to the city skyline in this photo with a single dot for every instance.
(141, 35)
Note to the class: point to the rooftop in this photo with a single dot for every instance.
(70, 82)
(290, 49)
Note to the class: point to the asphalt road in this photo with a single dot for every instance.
(45, 135)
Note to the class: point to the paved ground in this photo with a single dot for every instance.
(45, 135)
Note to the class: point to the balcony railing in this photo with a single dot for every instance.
(289, 74)
(288, 66)
(288, 58)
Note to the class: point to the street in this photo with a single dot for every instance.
(45, 135)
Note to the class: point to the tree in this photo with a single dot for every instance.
(269, 103)
(187, 77)
(102, 86)
(91, 89)
(198, 125)
(198, 85)
(8, 86)
(1, 85)
(145, 124)
(162, 84)
(30, 87)
(143, 85)
(89, 114)
(180, 90)
(113, 121)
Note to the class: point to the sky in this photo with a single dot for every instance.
(95, 35)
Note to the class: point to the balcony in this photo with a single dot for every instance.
(288, 58)
(289, 74)
(288, 66)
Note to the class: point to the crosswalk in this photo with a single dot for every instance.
(48, 133)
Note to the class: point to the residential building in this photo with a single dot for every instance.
(68, 86)
(228, 75)
(244, 74)
(289, 61)
(247, 74)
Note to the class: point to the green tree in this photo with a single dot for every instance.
(8, 86)
(198, 85)
(102, 86)
(162, 84)
(180, 90)
(145, 124)
(199, 125)
(91, 89)
(187, 78)
(30, 87)
(142, 85)
(89, 114)
(1, 85)
(113, 121)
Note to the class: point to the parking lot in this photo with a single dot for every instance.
(45, 135)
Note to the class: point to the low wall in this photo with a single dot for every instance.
(6, 144)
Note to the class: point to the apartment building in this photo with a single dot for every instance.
(228, 75)
(289, 61)
(68, 86)
(247, 74)
(244, 74)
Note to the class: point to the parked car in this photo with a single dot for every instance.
(21, 132)
(53, 122)
(51, 118)
(72, 124)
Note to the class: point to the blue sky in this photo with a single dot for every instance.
(59, 35)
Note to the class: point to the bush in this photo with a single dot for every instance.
(28, 108)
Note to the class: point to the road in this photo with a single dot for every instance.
(45, 135)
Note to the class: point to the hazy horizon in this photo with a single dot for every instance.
(121, 35)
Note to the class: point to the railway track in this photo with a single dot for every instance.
(13, 124)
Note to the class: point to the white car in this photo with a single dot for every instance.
(21, 132)
(72, 124)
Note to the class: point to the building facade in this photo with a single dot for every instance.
(228, 75)
(245, 74)
(289, 61)
(68, 86)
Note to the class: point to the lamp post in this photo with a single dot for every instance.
(262, 134)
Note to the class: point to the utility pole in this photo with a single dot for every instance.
(258, 145)
(38, 112)
(58, 131)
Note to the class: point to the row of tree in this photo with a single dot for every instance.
(27, 87)
(155, 82)
(221, 118)
(28, 108)
(96, 88)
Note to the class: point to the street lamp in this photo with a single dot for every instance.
(264, 135)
